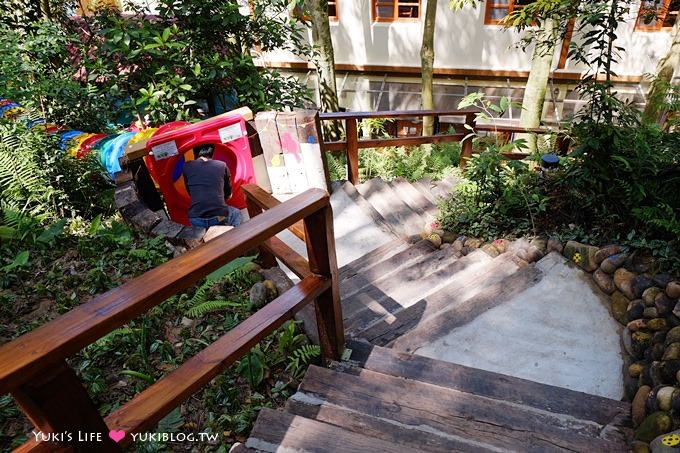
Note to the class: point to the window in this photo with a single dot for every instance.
(333, 10)
(656, 15)
(395, 10)
(496, 10)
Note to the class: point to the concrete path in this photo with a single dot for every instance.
(557, 332)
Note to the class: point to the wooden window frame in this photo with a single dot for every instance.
(335, 18)
(662, 12)
(395, 12)
(491, 5)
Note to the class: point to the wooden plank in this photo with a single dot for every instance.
(395, 114)
(292, 259)
(148, 407)
(56, 402)
(366, 207)
(488, 384)
(413, 198)
(387, 296)
(514, 129)
(30, 354)
(395, 141)
(506, 426)
(382, 253)
(471, 290)
(322, 261)
(409, 438)
(265, 201)
(277, 431)
(354, 281)
(403, 219)
(425, 186)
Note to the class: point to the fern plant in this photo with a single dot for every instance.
(199, 304)
(302, 357)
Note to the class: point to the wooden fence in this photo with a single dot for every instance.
(462, 126)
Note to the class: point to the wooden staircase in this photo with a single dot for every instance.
(385, 401)
(405, 295)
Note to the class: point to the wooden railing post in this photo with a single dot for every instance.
(57, 403)
(466, 144)
(322, 261)
(352, 150)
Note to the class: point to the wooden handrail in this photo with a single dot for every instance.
(264, 200)
(34, 370)
(28, 355)
(395, 114)
(148, 407)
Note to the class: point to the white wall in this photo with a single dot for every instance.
(462, 41)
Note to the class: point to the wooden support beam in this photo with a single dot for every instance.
(57, 403)
(352, 150)
(322, 261)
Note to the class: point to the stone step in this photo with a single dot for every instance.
(474, 300)
(352, 282)
(456, 302)
(443, 416)
(413, 198)
(388, 203)
(385, 297)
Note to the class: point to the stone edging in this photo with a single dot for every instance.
(137, 214)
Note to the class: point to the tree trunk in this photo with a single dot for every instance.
(427, 65)
(665, 70)
(324, 61)
(537, 83)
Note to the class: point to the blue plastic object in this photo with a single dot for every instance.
(65, 137)
(113, 150)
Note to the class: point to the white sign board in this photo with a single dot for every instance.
(164, 150)
(230, 133)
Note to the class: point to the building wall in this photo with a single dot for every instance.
(462, 41)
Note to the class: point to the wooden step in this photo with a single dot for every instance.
(277, 431)
(613, 416)
(413, 198)
(387, 296)
(426, 409)
(425, 186)
(458, 314)
(368, 208)
(355, 281)
(456, 302)
(406, 437)
(443, 188)
(388, 203)
(374, 257)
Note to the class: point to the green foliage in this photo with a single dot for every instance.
(38, 181)
(252, 367)
(301, 357)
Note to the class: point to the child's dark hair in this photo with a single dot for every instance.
(204, 151)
